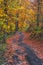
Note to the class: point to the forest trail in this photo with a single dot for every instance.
(23, 51)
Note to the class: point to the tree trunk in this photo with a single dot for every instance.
(38, 12)
(17, 15)
(16, 26)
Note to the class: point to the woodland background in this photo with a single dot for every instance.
(20, 16)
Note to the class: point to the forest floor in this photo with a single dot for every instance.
(19, 45)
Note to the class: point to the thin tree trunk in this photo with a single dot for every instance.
(38, 12)
(17, 15)
(16, 26)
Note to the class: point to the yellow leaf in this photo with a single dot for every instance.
(8, 27)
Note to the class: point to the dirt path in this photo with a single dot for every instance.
(19, 50)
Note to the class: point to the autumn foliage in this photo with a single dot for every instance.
(19, 14)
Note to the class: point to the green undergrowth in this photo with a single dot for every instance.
(2, 51)
(37, 33)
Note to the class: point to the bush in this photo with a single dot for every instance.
(2, 51)
(36, 33)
